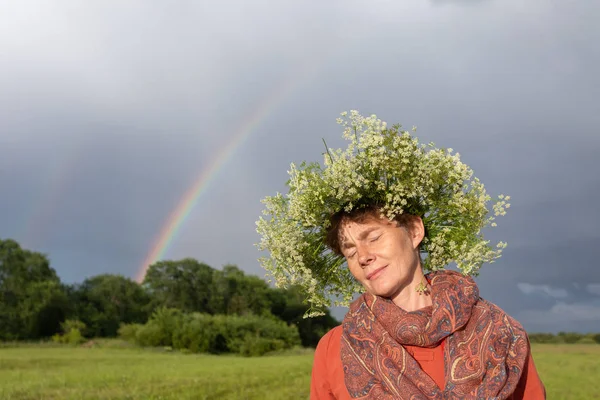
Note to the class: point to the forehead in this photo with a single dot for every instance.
(357, 229)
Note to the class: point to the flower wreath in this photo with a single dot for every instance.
(381, 165)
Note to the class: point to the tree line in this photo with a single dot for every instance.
(565, 337)
(35, 304)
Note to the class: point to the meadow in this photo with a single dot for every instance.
(116, 371)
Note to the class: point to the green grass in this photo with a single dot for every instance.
(113, 371)
(569, 371)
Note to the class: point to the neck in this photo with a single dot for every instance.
(409, 299)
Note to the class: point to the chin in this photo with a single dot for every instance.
(386, 289)
(386, 292)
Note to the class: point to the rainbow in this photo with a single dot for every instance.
(178, 216)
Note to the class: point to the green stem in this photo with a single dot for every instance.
(327, 148)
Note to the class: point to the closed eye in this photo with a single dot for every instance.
(348, 250)
(375, 238)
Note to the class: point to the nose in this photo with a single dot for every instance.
(365, 257)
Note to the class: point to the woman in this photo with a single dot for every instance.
(360, 222)
(415, 336)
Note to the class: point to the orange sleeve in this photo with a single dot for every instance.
(530, 386)
(320, 387)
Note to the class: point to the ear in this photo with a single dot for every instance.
(417, 231)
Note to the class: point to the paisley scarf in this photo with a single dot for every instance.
(484, 351)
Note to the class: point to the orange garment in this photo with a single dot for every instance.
(327, 381)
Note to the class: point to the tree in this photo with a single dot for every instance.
(184, 284)
(32, 300)
(234, 292)
(43, 309)
(103, 302)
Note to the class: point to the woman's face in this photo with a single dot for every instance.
(381, 255)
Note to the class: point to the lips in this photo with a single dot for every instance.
(374, 274)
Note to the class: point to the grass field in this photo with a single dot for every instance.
(38, 372)
(569, 371)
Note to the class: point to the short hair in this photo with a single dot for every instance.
(359, 215)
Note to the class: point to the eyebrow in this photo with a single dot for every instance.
(362, 236)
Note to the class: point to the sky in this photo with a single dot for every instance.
(111, 112)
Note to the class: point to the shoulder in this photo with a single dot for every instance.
(504, 331)
(327, 354)
(498, 315)
(330, 341)
(327, 381)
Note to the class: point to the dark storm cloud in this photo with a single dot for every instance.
(458, 2)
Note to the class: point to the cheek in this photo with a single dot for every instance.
(356, 271)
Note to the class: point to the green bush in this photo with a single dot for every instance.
(254, 345)
(237, 329)
(570, 337)
(544, 338)
(71, 324)
(248, 335)
(586, 340)
(198, 333)
(151, 335)
(564, 337)
(72, 337)
(128, 332)
(159, 329)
